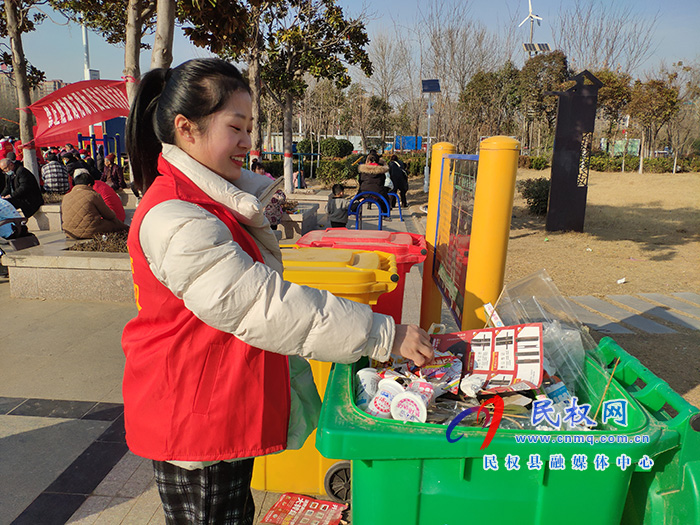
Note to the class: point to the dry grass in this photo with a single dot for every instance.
(644, 228)
(108, 242)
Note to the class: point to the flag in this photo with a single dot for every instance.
(76, 106)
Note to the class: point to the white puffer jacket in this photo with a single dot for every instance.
(193, 254)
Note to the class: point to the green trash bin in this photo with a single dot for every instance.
(409, 473)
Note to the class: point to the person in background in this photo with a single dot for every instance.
(113, 174)
(296, 177)
(337, 207)
(110, 197)
(55, 175)
(69, 148)
(21, 188)
(399, 178)
(73, 163)
(84, 213)
(207, 375)
(100, 159)
(373, 177)
(257, 167)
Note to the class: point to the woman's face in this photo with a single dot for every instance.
(223, 145)
(107, 162)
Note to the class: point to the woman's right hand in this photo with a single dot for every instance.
(412, 342)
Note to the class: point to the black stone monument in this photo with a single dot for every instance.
(571, 158)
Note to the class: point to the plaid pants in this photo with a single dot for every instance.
(214, 495)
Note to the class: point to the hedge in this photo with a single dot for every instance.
(536, 193)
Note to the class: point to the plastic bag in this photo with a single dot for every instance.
(536, 299)
(305, 406)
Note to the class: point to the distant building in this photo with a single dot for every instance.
(8, 93)
(8, 99)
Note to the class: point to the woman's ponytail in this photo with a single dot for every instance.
(142, 143)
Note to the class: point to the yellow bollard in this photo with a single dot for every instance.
(493, 207)
(431, 299)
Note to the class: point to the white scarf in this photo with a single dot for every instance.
(241, 199)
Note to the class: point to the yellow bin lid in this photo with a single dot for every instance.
(358, 275)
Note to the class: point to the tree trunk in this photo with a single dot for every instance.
(255, 88)
(287, 142)
(268, 131)
(162, 55)
(19, 68)
(132, 47)
(641, 154)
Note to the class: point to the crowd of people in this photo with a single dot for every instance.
(105, 178)
(90, 204)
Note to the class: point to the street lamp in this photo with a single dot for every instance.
(429, 86)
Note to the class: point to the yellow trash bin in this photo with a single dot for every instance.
(360, 276)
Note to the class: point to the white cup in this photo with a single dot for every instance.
(423, 388)
(367, 383)
(409, 406)
(380, 405)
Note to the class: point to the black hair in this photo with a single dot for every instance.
(394, 158)
(256, 164)
(195, 89)
(337, 189)
(50, 157)
(372, 157)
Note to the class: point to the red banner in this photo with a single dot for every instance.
(76, 106)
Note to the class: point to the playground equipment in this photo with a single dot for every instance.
(111, 144)
(369, 198)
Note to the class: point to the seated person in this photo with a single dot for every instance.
(21, 188)
(337, 207)
(111, 198)
(8, 211)
(113, 174)
(298, 177)
(54, 175)
(84, 213)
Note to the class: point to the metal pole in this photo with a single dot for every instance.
(426, 171)
(86, 73)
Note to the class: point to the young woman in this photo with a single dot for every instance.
(206, 383)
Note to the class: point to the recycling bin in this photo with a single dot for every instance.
(422, 478)
(409, 249)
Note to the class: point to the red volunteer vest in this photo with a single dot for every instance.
(191, 392)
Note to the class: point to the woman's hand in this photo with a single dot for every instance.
(412, 342)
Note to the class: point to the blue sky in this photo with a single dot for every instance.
(58, 49)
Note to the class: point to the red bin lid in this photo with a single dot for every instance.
(407, 247)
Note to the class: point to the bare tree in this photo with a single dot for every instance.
(15, 20)
(386, 68)
(410, 96)
(599, 34)
(162, 54)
